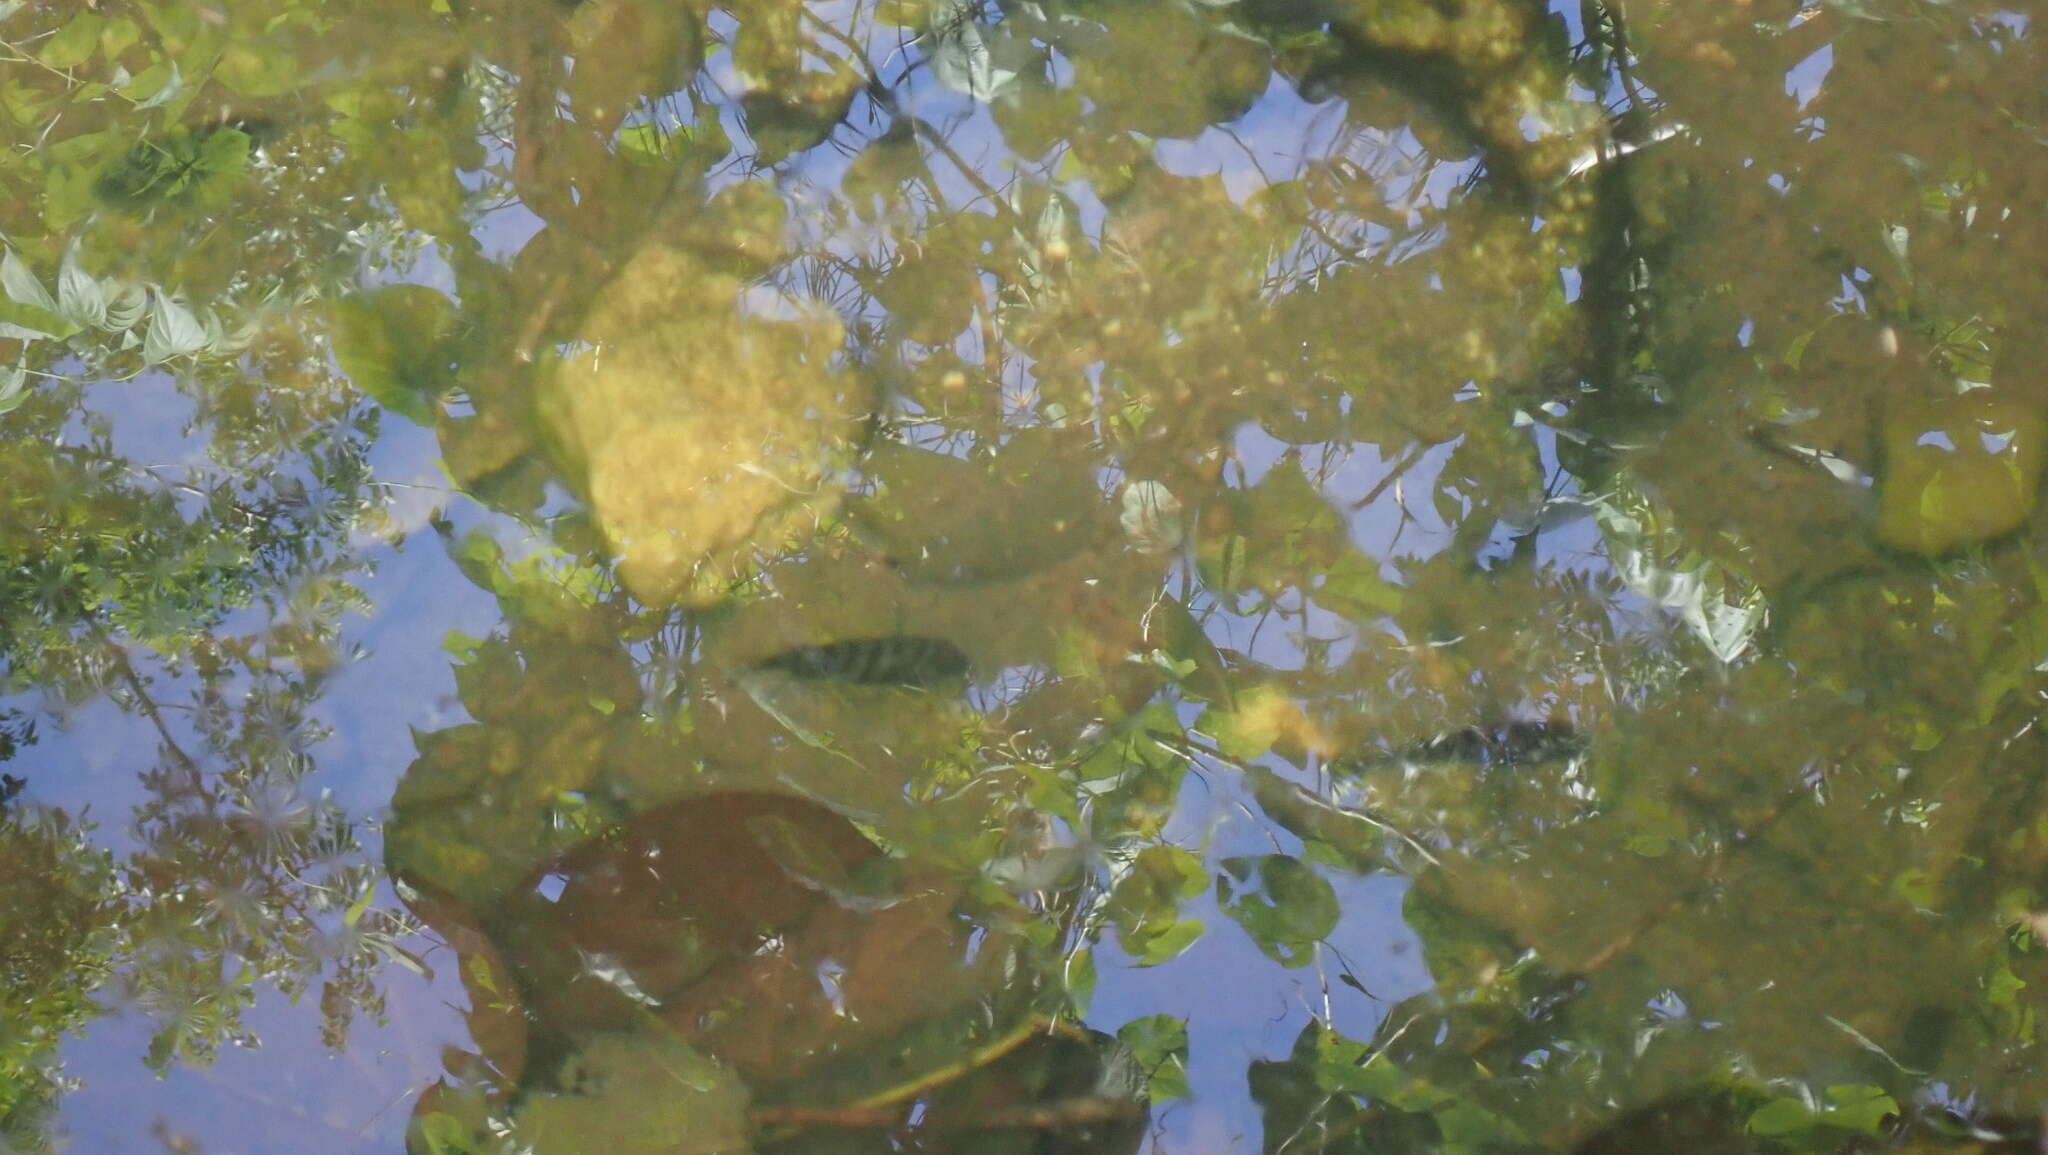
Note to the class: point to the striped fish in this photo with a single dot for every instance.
(897, 660)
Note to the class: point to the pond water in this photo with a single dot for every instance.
(1111, 576)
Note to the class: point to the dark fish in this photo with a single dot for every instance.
(1508, 744)
(898, 660)
(10, 786)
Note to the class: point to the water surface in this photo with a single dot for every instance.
(1074, 576)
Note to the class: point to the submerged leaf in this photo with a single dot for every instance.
(1265, 717)
(1145, 903)
(395, 343)
(1858, 1108)
(75, 43)
(1291, 909)
(167, 82)
(1159, 1043)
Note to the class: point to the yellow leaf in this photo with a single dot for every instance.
(1266, 716)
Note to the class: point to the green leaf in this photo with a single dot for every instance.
(1236, 735)
(1266, 717)
(14, 386)
(1160, 1044)
(156, 85)
(480, 558)
(1353, 587)
(1294, 531)
(1170, 943)
(1145, 903)
(80, 300)
(256, 69)
(1917, 887)
(173, 331)
(1078, 973)
(1347, 1066)
(118, 36)
(478, 968)
(396, 344)
(1795, 352)
(73, 44)
(960, 55)
(1291, 909)
(638, 1091)
(202, 165)
(28, 323)
(2014, 1017)
(29, 313)
(1856, 1107)
(224, 153)
(1222, 563)
(444, 1134)
(126, 304)
(643, 141)
(1199, 667)
(356, 910)
(67, 195)
(651, 142)
(21, 285)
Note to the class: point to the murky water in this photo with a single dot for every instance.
(919, 575)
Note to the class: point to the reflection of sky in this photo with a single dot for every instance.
(1272, 142)
(291, 1095)
(1241, 1006)
(1803, 81)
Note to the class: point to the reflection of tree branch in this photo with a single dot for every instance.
(1407, 462)
(1191, 748)
(126, 669)
(1606, 31)
(884, 96)
(938, 144)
